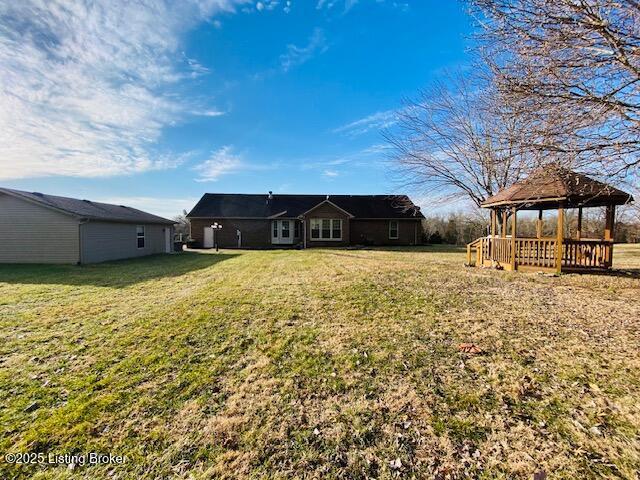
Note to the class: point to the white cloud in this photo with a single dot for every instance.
(375, 121)
(165, 207)
(221, 162)
(377, 149)
(264, 5)
(349, 4)
(208, 113)
(328, 4)
(330, 173)
(196, 68)
(404, 6)
(225, 161)
(84, 89)
(296, 55)
(369, 157)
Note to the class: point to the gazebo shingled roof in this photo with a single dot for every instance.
(552, 186)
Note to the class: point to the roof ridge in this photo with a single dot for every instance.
(313, 194)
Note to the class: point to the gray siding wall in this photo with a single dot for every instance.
(30, 233)
(103, 241)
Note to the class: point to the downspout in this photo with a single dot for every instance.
(82, 222)
(304, 232)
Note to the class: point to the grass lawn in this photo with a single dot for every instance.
(321, 364)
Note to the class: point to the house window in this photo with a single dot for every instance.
(315, 228)
(285, 229)
(326, 229)
(296, 229)
(140, 235)
(336, 228)
(393, 229)
(275, 229)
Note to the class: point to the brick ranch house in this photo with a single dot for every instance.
(267, 221)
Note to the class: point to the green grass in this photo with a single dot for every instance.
(321, 364)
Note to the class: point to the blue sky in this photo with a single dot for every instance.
(152, 104)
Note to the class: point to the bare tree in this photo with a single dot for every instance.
(459, 140)
(182, 225)
(573, 66)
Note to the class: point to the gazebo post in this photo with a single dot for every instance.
(493, 222)
(579, 228)
(559, 238)
(503, 233)
(539, 224)
(578, 250)
(494, 228)
(609, 222)
(513, 237)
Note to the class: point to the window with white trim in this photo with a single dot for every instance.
(140, 235)
(393, 229)
(315, 228)
(326, 228)
(336, 229)
(325, 232)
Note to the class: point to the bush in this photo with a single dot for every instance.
(435, 238)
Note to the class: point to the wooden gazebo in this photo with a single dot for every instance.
(551, 188)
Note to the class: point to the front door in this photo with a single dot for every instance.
(208, 237)
(282, 232)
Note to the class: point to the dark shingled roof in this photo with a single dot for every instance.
(88, 209)
(552, 185)
(235, 205)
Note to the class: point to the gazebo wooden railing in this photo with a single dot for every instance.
(540, 253)
(552, 188)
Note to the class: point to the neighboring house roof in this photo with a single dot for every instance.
(235, 205)
(554, 185)
(87, 209)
